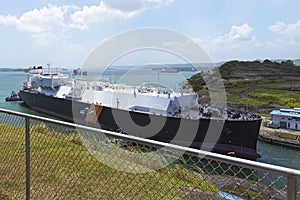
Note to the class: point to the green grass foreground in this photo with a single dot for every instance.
(62, 168)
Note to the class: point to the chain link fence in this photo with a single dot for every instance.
(66, 161)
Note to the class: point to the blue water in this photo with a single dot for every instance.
(281, 156)
(271, 154)
(13, 81)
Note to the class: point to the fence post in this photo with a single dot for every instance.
(27, 144)
(291, 188)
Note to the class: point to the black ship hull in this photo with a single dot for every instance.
(237, 137)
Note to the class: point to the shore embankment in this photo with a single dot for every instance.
(282, 137)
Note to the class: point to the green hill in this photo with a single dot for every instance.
(256, 86)
(259, 70)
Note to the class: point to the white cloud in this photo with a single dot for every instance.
(279, 27)
(81, 19)
(112, 9)
(44, 24)
(236, 34)
(131, 5)
(51, 22)
(8, 20)
(50, 18)
(238, 43)
(289, 32)
(242, 32)
(156, 3)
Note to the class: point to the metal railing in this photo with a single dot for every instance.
(42, 158)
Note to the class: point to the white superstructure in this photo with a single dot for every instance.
(141, 99)
(148, 98)
(145, 98)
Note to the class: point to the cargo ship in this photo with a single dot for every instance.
(148, 111)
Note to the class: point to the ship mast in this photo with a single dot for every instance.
(49, 64)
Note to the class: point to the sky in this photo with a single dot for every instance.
(66, 32)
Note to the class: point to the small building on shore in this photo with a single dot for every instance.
(286, 118)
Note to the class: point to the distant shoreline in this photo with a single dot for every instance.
(12, 69)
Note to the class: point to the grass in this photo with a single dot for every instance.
(234, 100)
(3, 195)
(281, 97)
(273, 91)
(268, 115)
(286, 135)
(61, 167)
(239, 87)
(245, 193)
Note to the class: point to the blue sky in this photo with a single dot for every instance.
(66, 32)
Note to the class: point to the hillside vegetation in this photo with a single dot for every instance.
(256, 86)
(259, 70)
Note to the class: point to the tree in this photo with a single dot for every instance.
(288, 63)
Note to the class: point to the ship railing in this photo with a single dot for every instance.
(44, 158)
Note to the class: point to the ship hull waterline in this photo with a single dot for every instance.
(238, 137)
